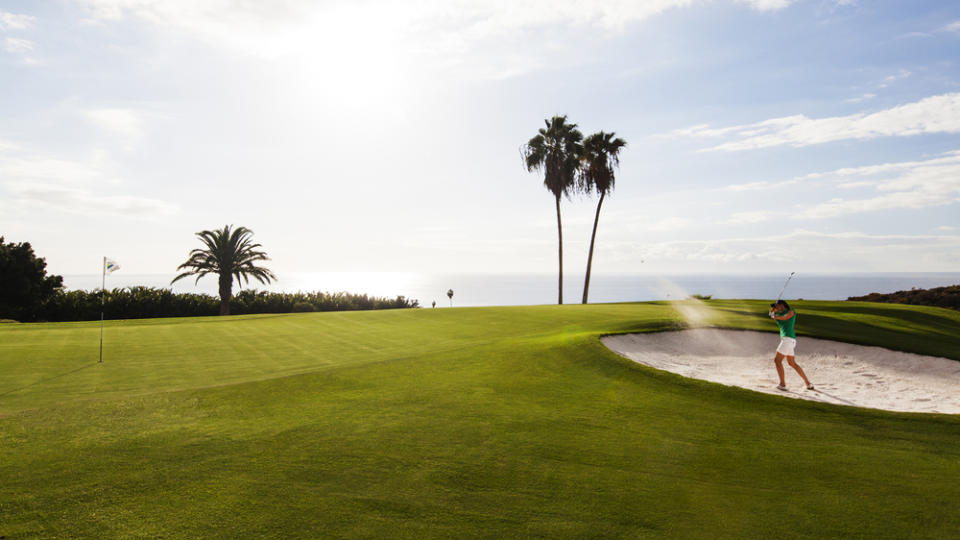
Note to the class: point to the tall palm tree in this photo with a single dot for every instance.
(229, 254)
(601, 155)
(555, 150)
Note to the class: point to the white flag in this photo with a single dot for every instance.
(109, 266)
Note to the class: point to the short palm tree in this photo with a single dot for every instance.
(230, 254)
(601, 155)
(555, 150)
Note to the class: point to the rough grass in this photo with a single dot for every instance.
(485, 422)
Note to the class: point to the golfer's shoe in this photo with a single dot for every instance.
(781, 387)
(810, 387)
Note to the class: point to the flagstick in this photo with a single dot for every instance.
(103, 287)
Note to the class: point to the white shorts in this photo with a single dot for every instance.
(787, 345)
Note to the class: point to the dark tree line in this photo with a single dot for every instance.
(28, 294)
(947, 297)
(24, 284)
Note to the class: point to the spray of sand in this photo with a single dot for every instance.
(693, 311)
(696, 313)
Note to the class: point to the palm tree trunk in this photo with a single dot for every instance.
(226, 291)
(596, 219)
(560, 237)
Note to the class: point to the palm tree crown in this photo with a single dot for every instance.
(601, 155)
(229, 253)
(555, 150)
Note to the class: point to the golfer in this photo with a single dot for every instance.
(786, 319)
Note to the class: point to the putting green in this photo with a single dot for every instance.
(453, 423)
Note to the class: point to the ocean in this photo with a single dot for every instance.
(532, 289)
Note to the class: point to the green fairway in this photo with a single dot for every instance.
(452, 423)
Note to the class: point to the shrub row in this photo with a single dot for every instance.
(150, 302)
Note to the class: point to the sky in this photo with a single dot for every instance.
(764, 136)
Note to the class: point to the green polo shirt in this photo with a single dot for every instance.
(786, 327)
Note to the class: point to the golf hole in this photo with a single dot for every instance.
(843, 374)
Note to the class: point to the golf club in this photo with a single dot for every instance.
(779, 296)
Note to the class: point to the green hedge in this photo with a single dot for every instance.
(150, 302)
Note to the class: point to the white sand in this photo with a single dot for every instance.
(845, 374)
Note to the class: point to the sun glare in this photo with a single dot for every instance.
(354, 59)
(384, 284)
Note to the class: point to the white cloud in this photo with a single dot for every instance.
(40, 181)
(692, 131)
(492, 39)
(17, 45)
(923, 184)
(947, 159)
(953, 27)
(861, 98)
(760, 186)
(767, 5)
(890, 79)
(7, 146)
(747, 218)
(669, 224)
(498, 17)
(126, 122)
(253, 27)
(833, 251)
(908, 184)
(494, 16)
(856, 184)
(87, 203)
(841, 207)
(935, 114)
(14, 21)
(45, 167)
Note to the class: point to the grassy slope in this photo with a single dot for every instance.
(468, 422)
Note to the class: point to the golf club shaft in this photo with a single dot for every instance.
(779, 296)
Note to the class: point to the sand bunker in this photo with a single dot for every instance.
(842, 373)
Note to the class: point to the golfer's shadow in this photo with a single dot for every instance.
(71, 372)
(831, 396)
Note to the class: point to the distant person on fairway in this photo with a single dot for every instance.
(786, 319)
